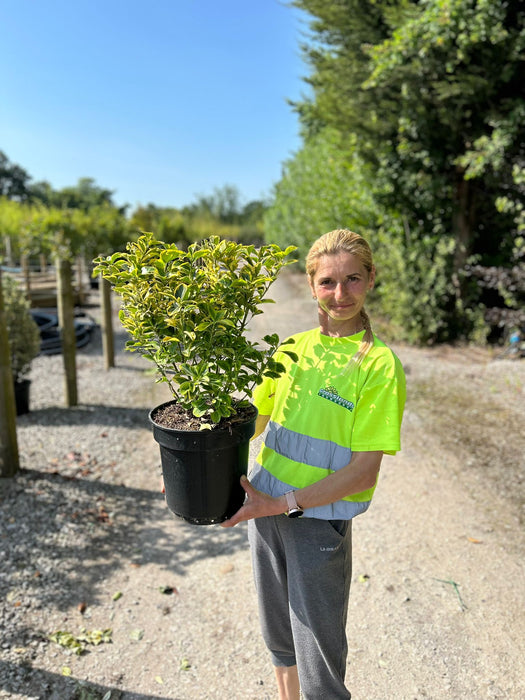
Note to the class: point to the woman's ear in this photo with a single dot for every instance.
(372, 277)
(312, 288)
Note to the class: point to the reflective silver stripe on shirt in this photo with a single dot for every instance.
(308, 450)
(262, 480)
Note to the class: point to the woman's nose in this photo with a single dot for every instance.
(340, 290)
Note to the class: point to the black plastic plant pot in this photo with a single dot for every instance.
(202, 469)
(22, 396)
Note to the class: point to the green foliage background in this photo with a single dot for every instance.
(413, 135)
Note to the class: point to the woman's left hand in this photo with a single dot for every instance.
(256, 505)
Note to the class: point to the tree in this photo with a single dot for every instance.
(223, 205)
(433, 91)
(322, 187)
(105, 231)
(168, 223)
(13, 180)
(42, 193)
(10, 224)
(64, 238)
(457, 66)
(84, 195)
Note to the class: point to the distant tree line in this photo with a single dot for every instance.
(413, 134)
(34, 217)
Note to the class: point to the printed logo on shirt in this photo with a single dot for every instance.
(331, 393)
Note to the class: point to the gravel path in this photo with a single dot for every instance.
(87, 543)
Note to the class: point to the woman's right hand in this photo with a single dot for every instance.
(256, 505)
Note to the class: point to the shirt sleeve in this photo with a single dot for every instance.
(379, 409)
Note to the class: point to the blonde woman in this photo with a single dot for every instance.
(329, 419)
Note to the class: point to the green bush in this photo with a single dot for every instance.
(187, 312)
(22, 331)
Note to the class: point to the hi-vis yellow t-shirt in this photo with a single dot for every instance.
(323, 408)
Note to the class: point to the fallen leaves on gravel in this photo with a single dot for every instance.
(78, 643)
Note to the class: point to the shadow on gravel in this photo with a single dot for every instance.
(87, 414)
(120, 338)
(51, 686)
(62, 538)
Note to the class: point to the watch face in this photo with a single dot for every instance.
(295, 513)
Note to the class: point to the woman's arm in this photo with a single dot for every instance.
(359, 475)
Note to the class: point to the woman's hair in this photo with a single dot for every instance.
(345, 241)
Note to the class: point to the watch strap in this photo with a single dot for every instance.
(294, 510)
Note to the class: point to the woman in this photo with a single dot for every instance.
(330, 417)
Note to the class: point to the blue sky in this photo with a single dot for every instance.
(159, 102)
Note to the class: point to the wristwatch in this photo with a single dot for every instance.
(294, 510)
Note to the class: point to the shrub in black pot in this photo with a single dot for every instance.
(188, 311)
(24, 339)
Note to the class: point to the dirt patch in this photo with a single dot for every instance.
(474, 404)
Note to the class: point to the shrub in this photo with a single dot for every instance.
(22, 331)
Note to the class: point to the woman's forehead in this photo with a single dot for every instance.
(338, 263)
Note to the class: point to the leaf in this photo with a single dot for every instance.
(158, 679)
(117, 595)
(66, 671)
(474, 540)
(67, 640)
(185, 665)
(292, 355)
(168, 590)
(136, 635)
(95, 637)
(363, 578)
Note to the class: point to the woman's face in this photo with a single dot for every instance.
(340, 284)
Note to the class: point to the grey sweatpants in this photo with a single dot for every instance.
(302, 569)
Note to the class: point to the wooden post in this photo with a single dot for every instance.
(9, 463)
(8, 248)
(26, 273)
(80, 280)
(66, 321)
(108, 344)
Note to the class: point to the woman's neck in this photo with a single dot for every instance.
(339, 329)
